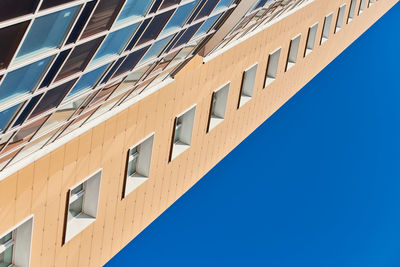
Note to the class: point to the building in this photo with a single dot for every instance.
(110, 110)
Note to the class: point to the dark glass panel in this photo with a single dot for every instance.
(187, 35)
(10, 37)
(27, 110)
(103, 17)
(155, 27)
(168, 3)
(52, 3)
(103, 94)
(81, 22)
(52, 98)
(137, 34)
(108, 76)
(172, 44)
(190, 20)
(11, 9)
(155, 6)
(130, 61)
(79, 58)
(207, 9)
(54, 68)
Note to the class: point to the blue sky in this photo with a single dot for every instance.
(322, 183)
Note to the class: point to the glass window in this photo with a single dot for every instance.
(88, 80)
(133, 9)
(222, 4)
(130, 61)
(81, 22)
(179, 17)
(79, 58)
(10, 9)
(52, 98)
(28, 108)
(6, 256)
(114, 43)
(156, 49)
(52, 3)
(23, 80)
(168, 3)
(10, 37)
(155, 26)
(206, 26)
(187, 35)
(55, 67)
(7, 115)
(102, 17)
(207, 8)
(47, 32)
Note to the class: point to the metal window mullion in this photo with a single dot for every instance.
(60, 68)
(77, 16)
(86, 23)
(7, 142)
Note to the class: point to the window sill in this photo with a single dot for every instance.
(243, 100)
(308, 51)
(133, 182)
(214, 121)
(268, 81)
(290, 65)
(77, 225)
(178, 149)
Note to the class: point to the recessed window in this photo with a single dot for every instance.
(293, 52)
(370, 2)
(182, 134)
(312, 35)
(272, 67)
(82, 205)
(23, 80)
(340, 18)
(248, 81)
(326, 29)
(218, 106)
(362, 6)
(352, 10)
(47, 32)
(15, 245)
(138, 165)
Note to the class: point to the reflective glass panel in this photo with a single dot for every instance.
(179, 17)
(155, 27)
(155, 49)
(47, 32)
(206, 26)
(7, 115)
(133, 9)
(88, 80)
(23, 80)
(10, 9)
(10, 37)
(222, 4)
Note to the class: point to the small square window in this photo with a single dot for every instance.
(362, 6)
(218, 106)
(15, 245)
(326, 29)
(272, 67)
(138, 165)
(248, 81)
(312, 34)
(352, 10)
(82, 205)
(340, 18)
(182, 135)
(293, 52)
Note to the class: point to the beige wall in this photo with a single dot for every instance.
(41, 188)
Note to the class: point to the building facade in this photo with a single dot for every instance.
(110, 110)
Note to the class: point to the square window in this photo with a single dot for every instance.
(47, 32)
(15, 245)
(272, 67)
(23, 80)
(362, 6)
(182, 134)
(312, 35)
(326, 29)
(82, 206)
(218, 106)
(340, 18)
(138, 165)
(293, 52)
(248, 81)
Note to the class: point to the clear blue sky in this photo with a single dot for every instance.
(322, 183)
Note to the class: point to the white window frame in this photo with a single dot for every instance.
(311, 37)
(143, 156)
(326, 29)
(272, 66)
(181, 141)
(340, 17)
(248, 83)
(219, 101)
(293, 51)
(21, 242)
(90, 194)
